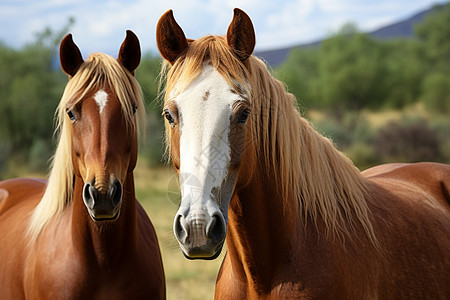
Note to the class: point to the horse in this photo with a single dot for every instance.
(82, 234)
(300, 220)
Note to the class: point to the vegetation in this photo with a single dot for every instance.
(352, 76)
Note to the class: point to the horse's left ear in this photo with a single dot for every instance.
(241, 35)
(130, 52)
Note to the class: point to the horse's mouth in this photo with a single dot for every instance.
(105, 218)
(198, 253)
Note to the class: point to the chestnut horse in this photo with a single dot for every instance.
(83, 235)
(300, 220)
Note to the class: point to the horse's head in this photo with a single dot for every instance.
(207, 106)
(100, 117)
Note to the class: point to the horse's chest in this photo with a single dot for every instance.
(234, 289)
(72, 277)
(53, 274)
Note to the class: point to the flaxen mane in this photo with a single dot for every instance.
(96, 72)
(314, 177)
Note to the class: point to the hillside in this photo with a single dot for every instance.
(404, 28)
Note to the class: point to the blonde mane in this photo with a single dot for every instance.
(314, 177)
(98, 71)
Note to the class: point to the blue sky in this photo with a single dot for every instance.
(101, 25)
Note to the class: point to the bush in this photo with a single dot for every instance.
(362, 155)
(152, 148)
(346, 130)
(39, 155)
(410, 142)
(442, 127)
(334, 131)
(436, 93)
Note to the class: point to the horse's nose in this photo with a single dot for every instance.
(199, 235)
(103, 205)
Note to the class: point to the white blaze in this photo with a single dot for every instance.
(101, 97)
(204, 108)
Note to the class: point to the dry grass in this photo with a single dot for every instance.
(378, 119)
(185, 279)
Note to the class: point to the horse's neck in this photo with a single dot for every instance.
(105, 242)
(269, 229)
(261, 232)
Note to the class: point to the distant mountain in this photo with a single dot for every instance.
(399, 29)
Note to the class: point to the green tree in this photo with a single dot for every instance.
(404, 72)
(434, 34)
(30, 88)
(436, 92)
(148, 76)
(300, 74)
(352, 75)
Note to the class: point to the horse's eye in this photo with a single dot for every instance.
(168, 117)
(244, 116)
(71, 115)
(134, 109)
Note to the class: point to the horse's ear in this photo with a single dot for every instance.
(241, 35)
(170, 37)
(69, 56)
(130, 52)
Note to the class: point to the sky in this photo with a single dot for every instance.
(100, 25)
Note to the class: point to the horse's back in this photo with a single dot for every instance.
(14, 192)
(410, 206)
(18, 197)
(429, 181)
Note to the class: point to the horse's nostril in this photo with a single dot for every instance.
(89, 195)
(216, 229)
(179, 229)
(115, 192)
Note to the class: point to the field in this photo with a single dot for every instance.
(156, 190)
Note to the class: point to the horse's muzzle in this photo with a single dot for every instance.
(199, 236)
(103, 205)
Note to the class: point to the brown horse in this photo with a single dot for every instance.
(83, 235)
(300, 220)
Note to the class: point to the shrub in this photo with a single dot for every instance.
(39, 155)
(362, 155)
(410, 142)
(436, 93)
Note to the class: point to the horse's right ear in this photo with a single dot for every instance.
(69, 56)
(170, 37)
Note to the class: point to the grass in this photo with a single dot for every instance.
(156, 190)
